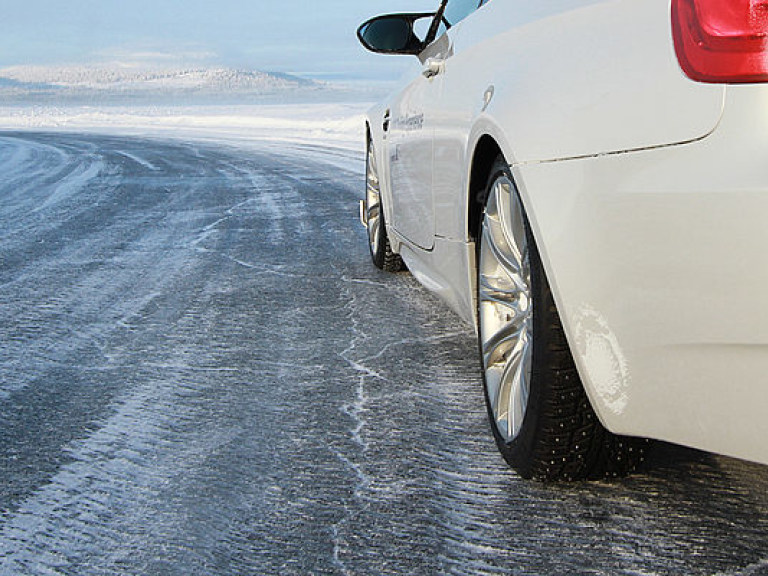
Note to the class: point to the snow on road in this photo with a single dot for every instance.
(201, 373)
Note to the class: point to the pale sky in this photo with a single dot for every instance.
(313, 38)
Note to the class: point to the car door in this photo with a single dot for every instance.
(410, 162)
(411, 150)
(414, 116)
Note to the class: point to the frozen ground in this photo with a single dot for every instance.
(201, 373)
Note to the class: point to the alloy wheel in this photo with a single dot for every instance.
(505, 308)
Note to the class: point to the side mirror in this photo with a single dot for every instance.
(392, 34)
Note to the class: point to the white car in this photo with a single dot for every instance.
(586, 182)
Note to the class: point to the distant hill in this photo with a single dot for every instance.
(7, 82)
(115, 83)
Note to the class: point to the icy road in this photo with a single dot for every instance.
(201, 373)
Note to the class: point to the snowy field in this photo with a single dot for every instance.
(318, 124)
(222, 105)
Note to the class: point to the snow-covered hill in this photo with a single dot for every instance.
(116, 83)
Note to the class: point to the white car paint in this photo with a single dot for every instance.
(647, 194)
(671, 268)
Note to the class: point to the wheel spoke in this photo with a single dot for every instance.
(508, 388)
(507, 234)
(375, 231)
(511, 220)
(502, 251)
(496, 347)
(514, 387)
(503, 286)
(373, 180)
(374, 209)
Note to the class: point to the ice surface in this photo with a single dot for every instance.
(202, 373)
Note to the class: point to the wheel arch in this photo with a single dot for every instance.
(485, 152)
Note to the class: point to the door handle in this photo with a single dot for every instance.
(433, 67)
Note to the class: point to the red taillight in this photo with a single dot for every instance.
(722, 40)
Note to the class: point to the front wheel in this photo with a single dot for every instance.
(541, 417)
(378, 242)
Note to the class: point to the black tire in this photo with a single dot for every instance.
(560, 436)
(382, 255)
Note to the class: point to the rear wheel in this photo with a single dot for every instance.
(541, 417)
(381, 251)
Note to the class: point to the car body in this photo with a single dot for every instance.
(643, 182)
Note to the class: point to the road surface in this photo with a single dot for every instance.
(201, 373)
